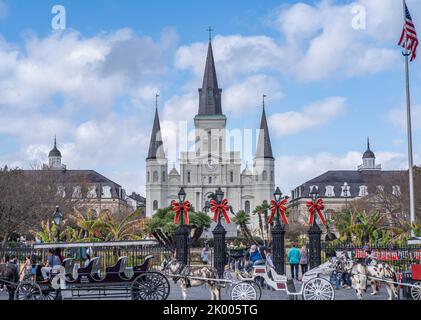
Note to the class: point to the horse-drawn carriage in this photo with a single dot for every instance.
(315, 283)
(87, 282)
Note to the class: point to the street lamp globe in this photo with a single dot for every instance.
(278, 195)
(182, 195)
(58, 217)
(219, 195)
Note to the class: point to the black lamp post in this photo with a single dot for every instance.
(278, 238)
(346, 193)
(182, 232)
(57, 219)
(219, 234)
(315, 234)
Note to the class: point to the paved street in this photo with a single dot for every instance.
(202, 293)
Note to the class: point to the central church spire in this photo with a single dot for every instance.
(210, 94)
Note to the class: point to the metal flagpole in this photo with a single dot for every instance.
(409, 124)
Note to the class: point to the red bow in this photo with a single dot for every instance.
(316, 206)
(220, 208)
(282, 208)
(176, 207)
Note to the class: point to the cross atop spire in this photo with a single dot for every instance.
(264, 97)
(156, 100)
(368, 143)
(55, 141)
(210, 30)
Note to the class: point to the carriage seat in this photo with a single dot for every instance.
(119, 268)
(69, 266)
(95, 269)
(91, 270)
(144, 266)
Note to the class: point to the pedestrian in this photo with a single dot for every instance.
(205, 254)
(304, 259)
(53, 263)
(88, 260)
(294, 257)
(253, 257)
(269, 259)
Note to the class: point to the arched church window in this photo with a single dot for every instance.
(188, 177)
(149, 177)
(163, 176)
(247, 206)
(231, 176)
(155, 176)
(155, 205)
(210, 180)
(265, 176)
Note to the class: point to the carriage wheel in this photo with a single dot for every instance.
(416, 291)
(28, 291)
(150, 286)
(245, 291)
(47, 293)
(318, 289)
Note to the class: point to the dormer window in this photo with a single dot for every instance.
(346, 191)
(363, 191)
(330, 191)
(396, 191)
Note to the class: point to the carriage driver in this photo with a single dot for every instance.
(53, 263)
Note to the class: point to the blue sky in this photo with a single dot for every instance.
(329, 86)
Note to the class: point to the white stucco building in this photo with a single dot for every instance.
(210, 165)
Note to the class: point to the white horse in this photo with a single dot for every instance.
(186, 276)
(362, 275)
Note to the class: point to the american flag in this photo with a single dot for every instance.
(409, 37)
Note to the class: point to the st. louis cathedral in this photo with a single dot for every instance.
(210, 166)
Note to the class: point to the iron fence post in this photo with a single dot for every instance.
(278, 243)
(219, 256)
(315, 245)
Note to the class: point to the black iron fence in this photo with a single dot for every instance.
(401, 258)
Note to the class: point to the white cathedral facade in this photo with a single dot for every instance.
(210, 165)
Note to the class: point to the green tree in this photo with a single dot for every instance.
(162, 225)
(242, 219)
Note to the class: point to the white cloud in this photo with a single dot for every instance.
(398, 117)
(316, 42)
(91, 71)
(311, 116)
(246, 96)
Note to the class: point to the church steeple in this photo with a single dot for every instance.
(264, 146)
(156, 145)
(210, 94)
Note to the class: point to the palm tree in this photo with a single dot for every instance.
(259, 210)
(130, 227)
(242, 219)
(263, 222)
